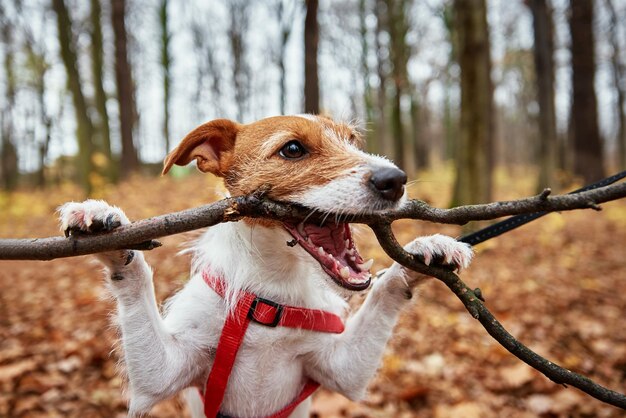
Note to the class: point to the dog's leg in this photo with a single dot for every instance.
(158, 363)
(347, 362)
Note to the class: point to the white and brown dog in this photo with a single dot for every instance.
(309, 160)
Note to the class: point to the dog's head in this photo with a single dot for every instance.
(309, 160)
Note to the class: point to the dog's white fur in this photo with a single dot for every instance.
(164, 355)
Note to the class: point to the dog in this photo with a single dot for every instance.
(309, 160)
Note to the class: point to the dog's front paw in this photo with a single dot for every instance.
(90, 216)
(442, 251)
(437, 250)
(93, 216)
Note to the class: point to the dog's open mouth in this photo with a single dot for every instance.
(332, 246)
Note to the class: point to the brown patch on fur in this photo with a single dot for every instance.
(343, 130)
(328, 156)
(210, 144)
(248, 161)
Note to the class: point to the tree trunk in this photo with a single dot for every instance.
(282, 75)
(397, 130)
(236, 32)
(474, 153)
(544, 70)
(38, 67)
(311, 41)
(381, 131)
(588, 159)
(418, 122)
(285, 20)
(397, 26)
(204, 47)
(125, 89)
(100, 96)
(47, 122)
(373, 145)
(8, 154)
(83, 121)
(8, 160)
(166, 63)
(450, 120)
(619, 79)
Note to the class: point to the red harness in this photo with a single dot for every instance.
(250, 307)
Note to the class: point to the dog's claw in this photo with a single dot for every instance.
(89, 217)
(441, 251)
(111, 222)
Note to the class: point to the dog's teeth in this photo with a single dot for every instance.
(300, 228)
(359, 279)
(345, 272)
(352, 258)
(320, 251)
(367, 265)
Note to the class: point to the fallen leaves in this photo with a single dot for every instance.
(12, 371)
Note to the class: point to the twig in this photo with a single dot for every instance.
(257, 205)
(479, 311)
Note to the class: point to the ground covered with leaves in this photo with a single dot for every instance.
(559, 285)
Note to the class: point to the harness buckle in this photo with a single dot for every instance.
(277, 316)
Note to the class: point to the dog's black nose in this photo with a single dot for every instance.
(389, 182)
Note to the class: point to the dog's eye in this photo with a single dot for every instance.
(292, 150)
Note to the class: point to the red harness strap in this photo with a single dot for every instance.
(262, 311)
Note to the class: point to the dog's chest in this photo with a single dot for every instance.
(268, 365)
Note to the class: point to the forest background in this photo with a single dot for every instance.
(476, 100)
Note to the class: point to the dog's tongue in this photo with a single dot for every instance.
(332, 238)
(332, 246)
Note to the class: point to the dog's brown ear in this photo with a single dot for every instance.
(211, 145)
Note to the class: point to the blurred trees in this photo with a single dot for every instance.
(588, 159)
(204, 48)
(311, 40)
(237, 34)
(100, 96)
(544, 72)
(474, 159)
(166, 63)
(399, 54)
(433, 81)
(382, 53)
(125, 89)
(619, 79)
(8, 153)
(38, 67)
(84, 125)
(285, 13)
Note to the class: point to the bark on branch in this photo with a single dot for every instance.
(141, 233)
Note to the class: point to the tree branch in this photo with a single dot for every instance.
(139, 234)
(479, 311)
